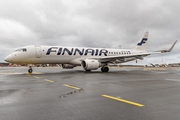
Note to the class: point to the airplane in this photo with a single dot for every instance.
(87, 57)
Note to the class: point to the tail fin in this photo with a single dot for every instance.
(142, 44)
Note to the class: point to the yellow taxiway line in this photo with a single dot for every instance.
(36, 77)
(48, 80)
(70, 86)
(122, 100)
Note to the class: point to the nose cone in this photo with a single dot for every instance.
(8, 58)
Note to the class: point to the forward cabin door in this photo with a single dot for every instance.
(38, 51)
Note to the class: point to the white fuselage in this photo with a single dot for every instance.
(89, 58)
(64, 55)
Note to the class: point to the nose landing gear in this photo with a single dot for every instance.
(30, 69)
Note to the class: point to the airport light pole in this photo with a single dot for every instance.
(162, 57)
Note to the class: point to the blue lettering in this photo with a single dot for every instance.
(50, 50)
(68, 51)
(80, 52)
(59, 52)
(142, 41)
(96, 52)
(77, 51)
(103, 51)
(89, 51)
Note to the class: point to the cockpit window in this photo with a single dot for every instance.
(24, 49)
(21, 50)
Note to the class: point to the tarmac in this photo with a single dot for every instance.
(53, 93)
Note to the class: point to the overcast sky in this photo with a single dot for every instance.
(92, 23)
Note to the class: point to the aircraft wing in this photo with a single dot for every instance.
(122, 57)
(168, 50)
(136, 56)
(165, 50)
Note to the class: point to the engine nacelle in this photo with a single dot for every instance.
(67, 66)
(90, 64)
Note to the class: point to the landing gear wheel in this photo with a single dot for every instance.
(30, 70)
(105, 69)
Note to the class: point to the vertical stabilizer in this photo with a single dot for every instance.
(142, 44)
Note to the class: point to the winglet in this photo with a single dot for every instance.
(169, 50)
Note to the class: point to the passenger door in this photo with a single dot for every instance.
(38, 51)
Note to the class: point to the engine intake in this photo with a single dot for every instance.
(90, 64)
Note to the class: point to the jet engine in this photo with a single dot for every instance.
(67, 66)
(89, 64)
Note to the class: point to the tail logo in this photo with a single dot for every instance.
(143, 41)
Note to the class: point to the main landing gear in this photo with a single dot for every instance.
(105, 69)
(30, 69)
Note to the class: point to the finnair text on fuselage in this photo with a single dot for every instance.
(79, 51)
